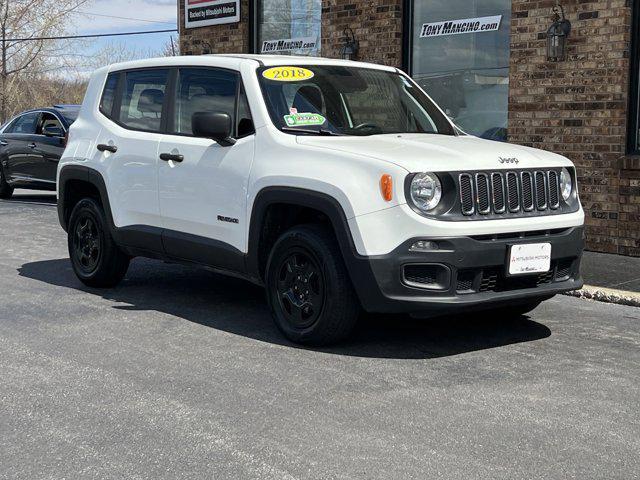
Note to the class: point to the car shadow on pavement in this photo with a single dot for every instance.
(239, 307)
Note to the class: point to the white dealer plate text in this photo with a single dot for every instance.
(530, 258)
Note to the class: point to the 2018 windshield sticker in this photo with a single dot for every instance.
(288, 74)
(304, 119)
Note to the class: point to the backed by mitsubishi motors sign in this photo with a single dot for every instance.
(200, 13)
(458, 27)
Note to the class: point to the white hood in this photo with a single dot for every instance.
(437, 153)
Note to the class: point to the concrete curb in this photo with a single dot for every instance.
(607, 295)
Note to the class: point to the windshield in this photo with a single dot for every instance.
(338, 100)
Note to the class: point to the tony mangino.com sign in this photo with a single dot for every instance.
(289, 44)
(200, 13)
(458, 27)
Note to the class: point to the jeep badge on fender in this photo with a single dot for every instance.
(342, 188)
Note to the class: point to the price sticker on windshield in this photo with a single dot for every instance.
(304, 119)
(287, 74)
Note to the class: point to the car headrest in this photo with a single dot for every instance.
(151, 100)
(308, 99)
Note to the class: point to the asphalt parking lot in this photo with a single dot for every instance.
(180, 373)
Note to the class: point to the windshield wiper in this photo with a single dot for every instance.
(309, 131)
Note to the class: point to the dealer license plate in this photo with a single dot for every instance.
(529, 258)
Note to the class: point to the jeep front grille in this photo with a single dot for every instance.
(466, 194)
(508, 193)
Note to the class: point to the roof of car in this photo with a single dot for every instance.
(67, 106)
(68, 112)
(53, 108)
(237, 58)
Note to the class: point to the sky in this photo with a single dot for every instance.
(96, 16)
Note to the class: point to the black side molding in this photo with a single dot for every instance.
(149, 241)
(125, 237)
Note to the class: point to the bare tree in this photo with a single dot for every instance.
(26, 50)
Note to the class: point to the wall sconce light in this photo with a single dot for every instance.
(351, 45)
(557, 36)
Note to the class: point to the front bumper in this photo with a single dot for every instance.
(474, 273)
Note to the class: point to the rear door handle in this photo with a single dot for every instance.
(176, 157)
(103, 147)
(32, 145)
(3, 143)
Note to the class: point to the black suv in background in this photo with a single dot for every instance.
(31, 144)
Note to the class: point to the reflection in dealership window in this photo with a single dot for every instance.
(466, 74)
(289, 27)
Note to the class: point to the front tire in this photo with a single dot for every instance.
(308, 287)
(96, 259)
(6, 190)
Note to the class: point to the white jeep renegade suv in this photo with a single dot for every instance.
(337, 185)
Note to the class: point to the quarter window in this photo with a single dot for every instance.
(143, 99)
(245, 122)
(109, 94)
(203, 90)
(25, 124)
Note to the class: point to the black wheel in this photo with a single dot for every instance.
(5, 189)
(97, 261)
(308, 287)
(518, 309)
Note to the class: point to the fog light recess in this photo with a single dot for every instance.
(424, 246)
(427, 276)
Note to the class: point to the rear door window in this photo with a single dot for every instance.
(142, 104)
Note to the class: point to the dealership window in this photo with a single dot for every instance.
(633, 135)
(288, 27)
(460, 56)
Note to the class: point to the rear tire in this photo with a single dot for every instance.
(96, 259)
(308, 287)
(6, 190)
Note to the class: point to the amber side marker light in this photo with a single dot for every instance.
(386, 187)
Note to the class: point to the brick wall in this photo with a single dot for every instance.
(376, 24)
(225, 38)
(578, 108)
(629, 221)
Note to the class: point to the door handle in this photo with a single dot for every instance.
(103, 147)
(3, 143)
(176, 157)
(32, 145)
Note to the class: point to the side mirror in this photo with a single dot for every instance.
(52, 131)
(214, 125)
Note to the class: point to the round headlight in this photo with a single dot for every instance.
(566, 184)
(426, 191)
